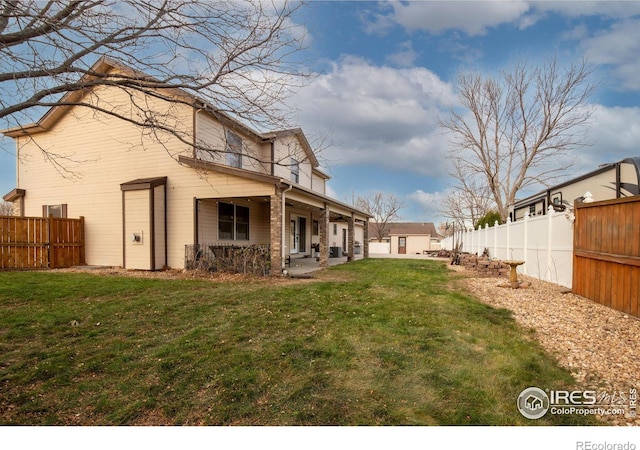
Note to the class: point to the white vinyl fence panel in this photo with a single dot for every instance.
(380, 247)
(544, 243)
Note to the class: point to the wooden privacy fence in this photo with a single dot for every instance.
(606, 251)
(41, 242)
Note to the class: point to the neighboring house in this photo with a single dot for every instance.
(143, 199)
(405, 238)
(609, 181)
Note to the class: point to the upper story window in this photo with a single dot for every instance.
(234, 150)
(295, 170)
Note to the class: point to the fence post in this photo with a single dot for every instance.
(550, 213)
(50, 251)
(474, 239)
(486, 238)
(525, 243)
(507, 256)
(495, 239)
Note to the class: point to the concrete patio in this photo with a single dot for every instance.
(302, 266)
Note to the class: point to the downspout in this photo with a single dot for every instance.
(284, 216)
(273, 158)
(195, 131)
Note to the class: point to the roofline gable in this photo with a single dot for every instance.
(105, 64)
(299, 134)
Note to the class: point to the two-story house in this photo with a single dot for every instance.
(145, 194)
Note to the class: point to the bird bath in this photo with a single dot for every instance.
(513, 274)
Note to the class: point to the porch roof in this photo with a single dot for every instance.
(14, 195)
(296, 192)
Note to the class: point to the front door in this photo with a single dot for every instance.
(402, 245)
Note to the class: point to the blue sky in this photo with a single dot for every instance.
(386, 72)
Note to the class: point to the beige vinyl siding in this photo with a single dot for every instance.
(211, 134)
(101, 152)
(318, 184)
(285, 149)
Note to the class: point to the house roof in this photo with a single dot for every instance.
(14, 195)
(106, 64)
(71, 98)
(297, 132)
(269, 179)
(406, 228)
(143, 183)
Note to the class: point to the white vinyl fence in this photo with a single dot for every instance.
(380, 247)
(544, 243)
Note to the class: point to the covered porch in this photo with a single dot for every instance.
(290, 227)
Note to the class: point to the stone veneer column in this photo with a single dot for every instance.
(276, 232)
(365, 238)
(323, 225)
(351, 229)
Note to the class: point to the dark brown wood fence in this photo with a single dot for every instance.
(606, 253)
(41, 242)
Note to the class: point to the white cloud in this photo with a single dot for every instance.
(616, 134)
(378, 115)
(618, 47)
(429, 204)
(472, 17)
(405, 56)
(476, 17)
(429, 201)
(607, 8)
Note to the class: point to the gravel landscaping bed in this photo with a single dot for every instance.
(597, 344)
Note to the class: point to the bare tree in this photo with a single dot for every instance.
(231, 57)
(465, 207)
(518, 129)
(6, 208)
(467, 201)
(384, 208)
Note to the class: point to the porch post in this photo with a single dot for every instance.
(275, 231)
(351, 229)
(323, 224)
(365, 238)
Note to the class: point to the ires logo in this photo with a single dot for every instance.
(573, 398)
(534, 403)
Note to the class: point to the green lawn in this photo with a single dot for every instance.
(376, 342)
